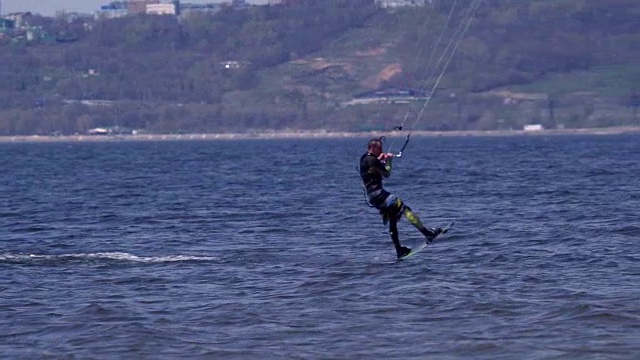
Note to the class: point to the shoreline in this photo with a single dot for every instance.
(315, 134)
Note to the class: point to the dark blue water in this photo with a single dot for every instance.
(267, 250)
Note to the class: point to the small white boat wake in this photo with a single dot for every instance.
(118, 256)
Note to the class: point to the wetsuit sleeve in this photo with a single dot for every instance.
(387, 166)
(376, 166)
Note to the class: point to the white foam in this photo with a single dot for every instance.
(122, 256)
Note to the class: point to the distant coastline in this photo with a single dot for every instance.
(310, 134)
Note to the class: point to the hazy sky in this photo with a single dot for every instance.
(49, 7)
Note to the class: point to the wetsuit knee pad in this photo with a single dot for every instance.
(412, 217)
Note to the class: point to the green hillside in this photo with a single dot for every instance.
(314, 64)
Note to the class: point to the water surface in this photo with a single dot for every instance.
(266, 249)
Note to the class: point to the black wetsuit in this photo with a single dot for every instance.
(372, 171)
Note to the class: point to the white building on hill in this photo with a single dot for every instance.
(161, 9)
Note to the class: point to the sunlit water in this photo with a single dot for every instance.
(266, 249)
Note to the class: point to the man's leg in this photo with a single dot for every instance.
(415, 221)
(393, 231)
(395, 237)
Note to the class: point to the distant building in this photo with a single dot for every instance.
(533, 127)
(140, 6)
(113, 10)
(161, 9)
(19, 19)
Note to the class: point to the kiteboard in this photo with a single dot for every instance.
(417, 249)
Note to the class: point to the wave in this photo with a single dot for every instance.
(119, 256)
